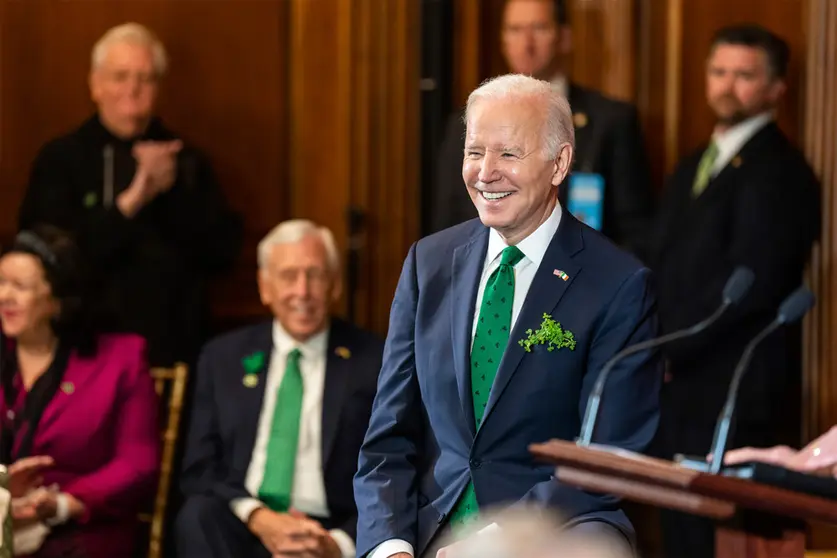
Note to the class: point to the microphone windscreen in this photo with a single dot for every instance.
(795, 306)
(738, 285)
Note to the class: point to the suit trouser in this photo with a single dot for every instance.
(207, 528)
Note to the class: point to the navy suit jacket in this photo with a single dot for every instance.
(225, 415)
(422, 448)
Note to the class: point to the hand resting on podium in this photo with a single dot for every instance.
(818, 457)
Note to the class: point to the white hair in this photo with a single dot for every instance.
(290, 232)
(558, 126)
(134, 34)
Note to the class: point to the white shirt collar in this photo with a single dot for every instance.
(731, 141)
(533, 246)
(561, 84)
(314, 347)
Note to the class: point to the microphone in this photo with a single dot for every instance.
(792, 309)
(736, 287)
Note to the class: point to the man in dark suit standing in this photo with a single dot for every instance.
(280, 412)
(747, 198)
(609, 143)
(498, 331)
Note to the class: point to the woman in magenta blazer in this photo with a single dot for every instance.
(85, 402)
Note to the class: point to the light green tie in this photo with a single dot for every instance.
(490, 340)
(704, 170)
(278, 480)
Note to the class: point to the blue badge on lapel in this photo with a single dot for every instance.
(585, 199)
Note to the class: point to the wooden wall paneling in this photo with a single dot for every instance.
(657, 94)
(620, 18)
(225, 94)
(354, 134)
(820, 144)
(468, 36)
(320, 113)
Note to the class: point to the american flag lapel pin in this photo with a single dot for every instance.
(561, 274)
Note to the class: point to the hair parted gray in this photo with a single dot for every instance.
(135, 34)
(558, 126)
(289, 232)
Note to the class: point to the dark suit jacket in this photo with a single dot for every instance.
(762, 211)
(225, 416)
(422, 448)
(609, 142)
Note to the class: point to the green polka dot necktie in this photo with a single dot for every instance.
(490, 340)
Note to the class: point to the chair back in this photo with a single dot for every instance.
(170, 384)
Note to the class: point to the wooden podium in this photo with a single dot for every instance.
(666, 485)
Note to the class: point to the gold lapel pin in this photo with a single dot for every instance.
(580, 120)
(343, 352)
(68, 387)
(250, 380)
(736, 161)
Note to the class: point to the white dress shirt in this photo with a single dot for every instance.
(731, 141)
(308, 494)
(533, 247)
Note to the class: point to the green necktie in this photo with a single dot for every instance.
(490, 340)
(278, 480)
(704, 170)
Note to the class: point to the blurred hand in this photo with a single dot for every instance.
(286, 535)
(320, 545)
(159, 160)
(27, 474)
(778, 455)
(156, 173)
(820, 456)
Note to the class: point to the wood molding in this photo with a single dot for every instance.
(467, 29)
(820, 144)
(354, 134)
(619, 20)
(673, 80)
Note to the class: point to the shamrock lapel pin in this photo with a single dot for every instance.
(550, 334)
(253, 364)
(343, 352)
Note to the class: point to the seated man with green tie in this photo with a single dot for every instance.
(279, 416)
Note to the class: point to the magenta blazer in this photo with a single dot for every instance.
(101, 428)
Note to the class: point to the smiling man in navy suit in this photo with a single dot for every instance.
(459, 397)
(279, 415)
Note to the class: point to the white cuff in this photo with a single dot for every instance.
(391, 547)
(344, 542)
(62, 510)
(243, 508)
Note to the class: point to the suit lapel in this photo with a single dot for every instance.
(745, 154)
(468, 263)
(248, 397)
(335, 391)
(544, 295)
